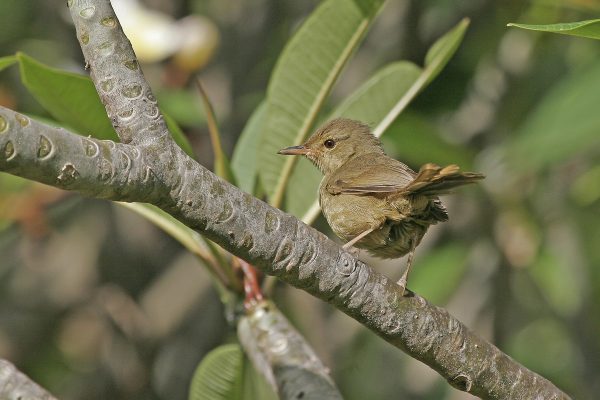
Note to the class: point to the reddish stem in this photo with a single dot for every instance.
(252, 289)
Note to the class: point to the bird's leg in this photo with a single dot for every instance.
(404, 278)
(356, 239)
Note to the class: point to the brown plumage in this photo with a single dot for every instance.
(371, 200)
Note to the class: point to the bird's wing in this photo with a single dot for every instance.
(433, 180)
(370, 174)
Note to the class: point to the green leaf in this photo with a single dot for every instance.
(68, 97)
(222, 166)
(178, 135)
(435, 60)
(245, 154)
(437, 275)
(255, 384)
(374, 99)
(565, 123)
(302, 79)
(12, 183)
(7, 61)
(219, 375)
(301, 197)
(207, 252)
(444, 48)
(182, 105)
(189, 238)
(588, 29)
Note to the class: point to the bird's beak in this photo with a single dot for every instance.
(294, 151)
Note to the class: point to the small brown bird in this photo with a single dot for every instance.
(371, 200)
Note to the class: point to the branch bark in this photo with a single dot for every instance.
(283, 356)
(151, 168)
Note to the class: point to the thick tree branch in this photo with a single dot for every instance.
(97, 168)
(270, 239)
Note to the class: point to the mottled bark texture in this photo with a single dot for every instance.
(151, 168)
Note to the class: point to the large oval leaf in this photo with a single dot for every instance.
(435, 60)
(588, 29)
(219, 375)
(302, 79)
(374, 99)
(68, 97)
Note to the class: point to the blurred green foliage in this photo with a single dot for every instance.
(97, 303)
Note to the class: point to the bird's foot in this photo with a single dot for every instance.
(404, 278)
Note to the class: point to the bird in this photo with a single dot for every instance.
(373, 201)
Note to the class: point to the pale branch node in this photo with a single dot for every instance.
(159, 172)
(14, 385)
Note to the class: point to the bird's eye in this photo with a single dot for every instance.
(329, 143)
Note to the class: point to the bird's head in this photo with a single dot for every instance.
(335, 143)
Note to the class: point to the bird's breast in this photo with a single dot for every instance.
(350, 215)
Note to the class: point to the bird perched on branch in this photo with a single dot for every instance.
(371, 200)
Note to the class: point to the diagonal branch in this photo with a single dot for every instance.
(159, 172)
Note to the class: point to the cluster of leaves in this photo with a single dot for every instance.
(296, 102)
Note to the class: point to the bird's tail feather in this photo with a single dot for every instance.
(435, 180)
